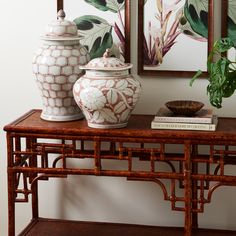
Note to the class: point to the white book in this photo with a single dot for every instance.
(185, 126)
(165, 115)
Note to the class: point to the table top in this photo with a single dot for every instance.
(138, 126)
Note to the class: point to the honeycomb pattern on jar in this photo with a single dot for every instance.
(57, 68)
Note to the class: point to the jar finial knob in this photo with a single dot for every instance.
(107, 53)
(61, 14)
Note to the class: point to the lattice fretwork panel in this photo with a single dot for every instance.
(136, 161)
(210, 165)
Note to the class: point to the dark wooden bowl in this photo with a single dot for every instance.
(184, 107)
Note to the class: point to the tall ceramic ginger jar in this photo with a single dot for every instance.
(56, 67)
(107, 93)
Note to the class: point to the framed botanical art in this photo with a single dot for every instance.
(101, 25)
(174, 36)
(228, 23)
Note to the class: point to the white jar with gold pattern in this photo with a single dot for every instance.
(56, 67)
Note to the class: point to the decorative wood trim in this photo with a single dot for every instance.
(127, 29)
(60, 5)
(224, 18)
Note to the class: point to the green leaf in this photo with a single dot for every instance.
(229, 86)
(222, 45)
(115, 5)
(215, 96)
(99, 4)
(186, 28)
(196, 13)
(96, 34)
(107, 5)
(222, 82)
(199, 72)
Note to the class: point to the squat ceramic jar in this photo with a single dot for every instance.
(107, 93)
(56, 67)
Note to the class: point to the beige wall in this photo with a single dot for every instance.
(91, 198)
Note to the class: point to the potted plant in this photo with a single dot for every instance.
(222, 72)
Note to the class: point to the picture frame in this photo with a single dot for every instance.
(224, 18)
(60, 5)
(122, 33)
(148, 59)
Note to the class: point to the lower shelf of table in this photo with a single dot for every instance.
(51, 227)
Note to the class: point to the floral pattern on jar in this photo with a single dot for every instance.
(107, 102)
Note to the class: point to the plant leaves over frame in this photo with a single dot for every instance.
(222, 73)
(96, 34)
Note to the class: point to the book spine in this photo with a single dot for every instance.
(183, 120)
(183, 126)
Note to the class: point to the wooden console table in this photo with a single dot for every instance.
(40, 150)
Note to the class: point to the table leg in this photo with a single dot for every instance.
(11, 203)
(194, 189)
(187, 191)
(11, 187)
(30, 143)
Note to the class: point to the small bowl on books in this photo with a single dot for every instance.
(184, 107)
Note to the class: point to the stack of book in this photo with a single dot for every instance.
(202, 120)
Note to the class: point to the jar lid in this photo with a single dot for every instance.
(61, 29)
(107, 63)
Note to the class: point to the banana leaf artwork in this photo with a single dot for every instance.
(101, 24)
(228, 27)
(174, 36)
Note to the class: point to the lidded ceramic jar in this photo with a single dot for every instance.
(56, 67)
(107, 93)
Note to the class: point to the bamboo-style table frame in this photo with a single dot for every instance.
(40, 150)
